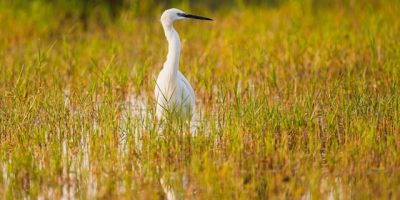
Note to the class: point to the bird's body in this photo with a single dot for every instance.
(176, 97)
(173, 92)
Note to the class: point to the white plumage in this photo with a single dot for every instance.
(173, 92)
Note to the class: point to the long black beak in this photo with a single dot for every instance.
(193, 16)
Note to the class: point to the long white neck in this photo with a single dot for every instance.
(171, 65)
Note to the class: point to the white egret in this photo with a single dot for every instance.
(173, 92)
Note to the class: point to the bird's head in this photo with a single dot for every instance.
(173, 14)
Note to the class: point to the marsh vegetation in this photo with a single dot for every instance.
(295, 99)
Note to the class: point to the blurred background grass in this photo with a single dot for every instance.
(103, 11)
